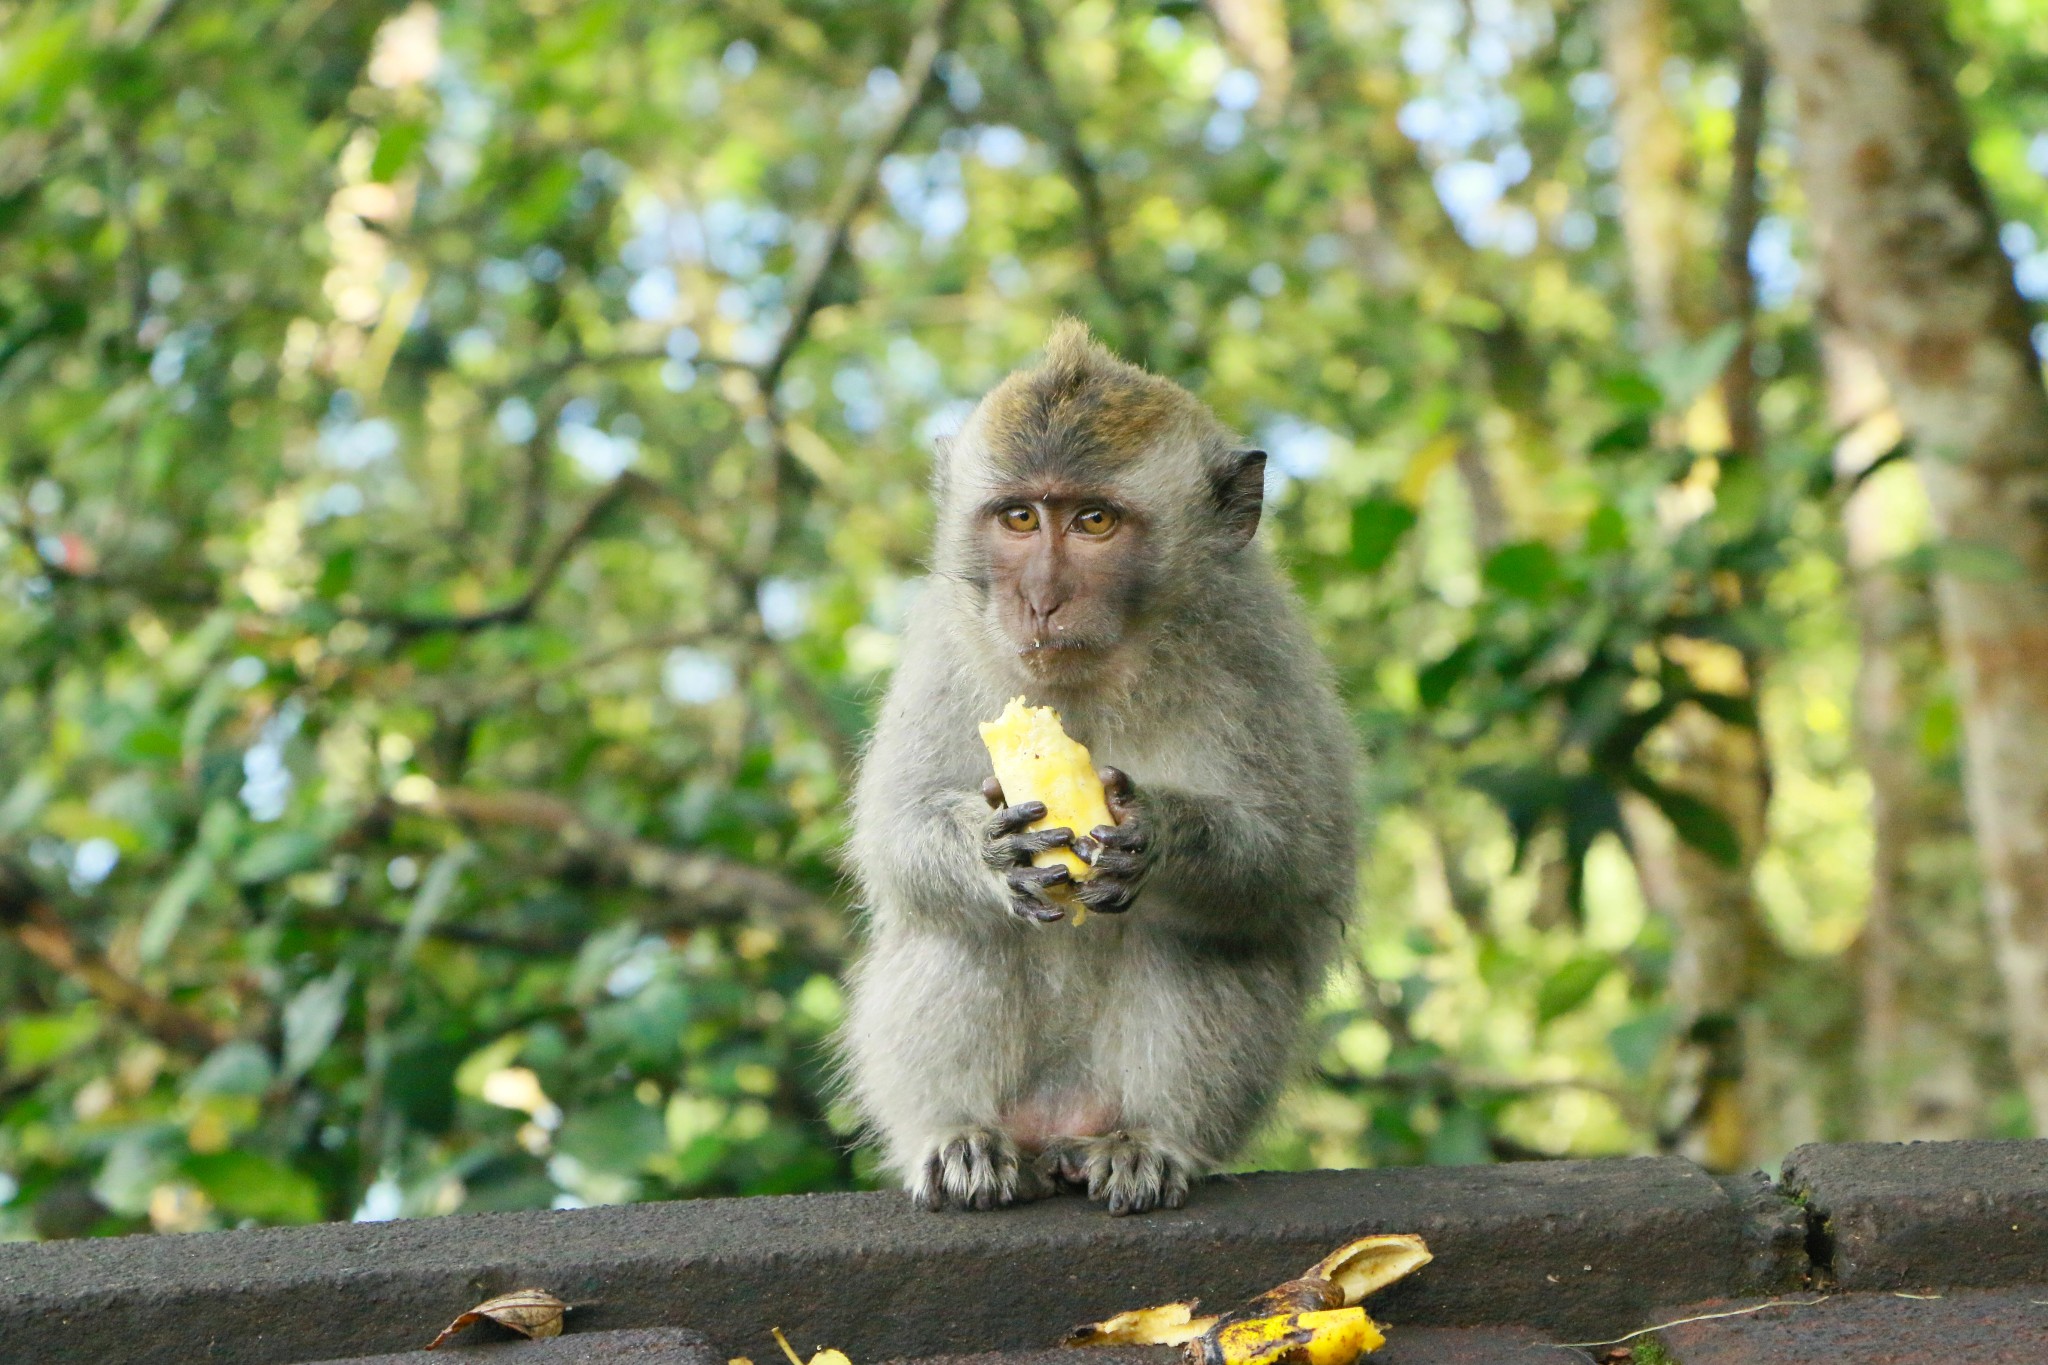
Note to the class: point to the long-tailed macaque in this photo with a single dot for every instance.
(1095, 553)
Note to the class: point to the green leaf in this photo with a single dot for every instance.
(1571, 985)
(312, 1018)
(1606, 531)
(1637, 1044)
(36, 1040)
(1696, 821)
(1627, 435)
(166, 914)
(1377, 527)
(1684, 372)
(245, 1185)
(278, 855)
(427, 903)
(619, 1136)
(1628, 389)
(237, 1068)
(396, 145)
(1434, 683)
(1527, 570)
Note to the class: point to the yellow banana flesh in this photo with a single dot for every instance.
(1036, 760)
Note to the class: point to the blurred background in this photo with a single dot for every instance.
(462, 475)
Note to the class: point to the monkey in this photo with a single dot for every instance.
(1095, 550)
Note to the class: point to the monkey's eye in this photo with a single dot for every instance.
(1019, 517)
(1095, 521)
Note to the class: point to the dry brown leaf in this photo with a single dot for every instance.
(1168, 1324)
(529, 1312)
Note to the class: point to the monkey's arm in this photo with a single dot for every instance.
(1218, 864)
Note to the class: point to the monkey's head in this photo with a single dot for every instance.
(1084, 500)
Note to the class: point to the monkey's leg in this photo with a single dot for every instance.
(936, 1039)
(1195, 1047)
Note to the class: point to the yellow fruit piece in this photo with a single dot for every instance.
(1335, 1336)
(1036, 760)
(1371, 1264)
(1169, 1324)
(826, 1356)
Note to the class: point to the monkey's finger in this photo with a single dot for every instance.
(992, 792)
(1116, 785)
(1111, 862)
(1028, 907)
(1015, 850)
(1105, 896)
(1012, 819)
(1038, 881)
(1130, 838)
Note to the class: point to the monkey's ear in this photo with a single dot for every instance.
(1241, 495)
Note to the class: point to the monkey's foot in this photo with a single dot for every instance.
(973, 1168)
(1130, 1170)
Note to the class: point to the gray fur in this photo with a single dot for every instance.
(992, 1058)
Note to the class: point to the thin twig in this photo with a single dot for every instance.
(1680, 1322)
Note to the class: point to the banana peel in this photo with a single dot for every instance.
(1331, 1336)
(1168, 1324)
(1313, 1319)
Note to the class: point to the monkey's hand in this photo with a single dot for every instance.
(1121, 854)
(1008, 847)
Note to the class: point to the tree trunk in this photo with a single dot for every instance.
(1912, 263)
(1928, 999)
(1724, 951)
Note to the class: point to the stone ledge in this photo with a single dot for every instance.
(1925, 1215)
(1578, 1248)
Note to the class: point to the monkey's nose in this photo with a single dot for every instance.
(1043, 626)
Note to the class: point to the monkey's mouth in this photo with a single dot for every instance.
(1061, 652)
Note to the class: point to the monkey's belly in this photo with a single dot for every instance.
(1039, 1119)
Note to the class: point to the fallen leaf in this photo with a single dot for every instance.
(1169, 1324)
(529, 1312)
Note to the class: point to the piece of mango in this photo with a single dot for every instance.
(1036, 760)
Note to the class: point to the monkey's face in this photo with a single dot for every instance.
(1066, 573)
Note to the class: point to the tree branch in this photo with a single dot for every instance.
(708, 888)
(520, 608)
(28, 918)
(857, 187)
(1080, 172)
(1738, 226)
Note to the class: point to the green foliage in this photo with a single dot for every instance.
(430, 666)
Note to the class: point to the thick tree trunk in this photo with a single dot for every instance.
(1911, 257)
(1726, 1110)
(1929, 1031)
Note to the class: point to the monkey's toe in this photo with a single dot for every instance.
(973, 1168)
(1134, 1172)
